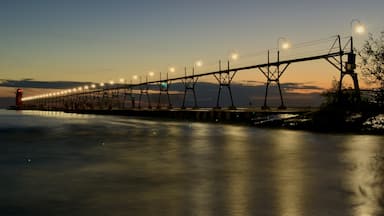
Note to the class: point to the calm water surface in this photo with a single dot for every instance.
(67, 164)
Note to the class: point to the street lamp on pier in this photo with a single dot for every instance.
(198, 63)
(135, 77)
(172, 69)
(357, 26)
(122, 81)
(283, 43)
(150, 74)
(234, 56)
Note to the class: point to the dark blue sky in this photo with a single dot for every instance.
(98, 40)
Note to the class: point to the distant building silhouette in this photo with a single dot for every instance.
(19, 96)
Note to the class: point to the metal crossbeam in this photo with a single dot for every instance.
(290, 61)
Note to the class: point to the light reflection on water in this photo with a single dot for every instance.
(288, 150)
(236, 149)
(365, 176)
(59, 164)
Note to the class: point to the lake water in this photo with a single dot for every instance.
(53, 163)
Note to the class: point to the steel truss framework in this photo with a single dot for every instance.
(164, 87)
(189, 85)
(225, 79)
(343, 60)
(144, 89)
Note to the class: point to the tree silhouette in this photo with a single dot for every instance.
(372, 63)
(372, 59)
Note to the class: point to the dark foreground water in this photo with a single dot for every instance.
(69, 164)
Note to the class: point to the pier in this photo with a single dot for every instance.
(159, 98)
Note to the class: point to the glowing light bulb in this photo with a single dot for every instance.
(234, 56)
(360, 29)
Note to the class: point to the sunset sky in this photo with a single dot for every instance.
(102, 40)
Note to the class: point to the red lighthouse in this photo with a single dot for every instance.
(19, 96)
